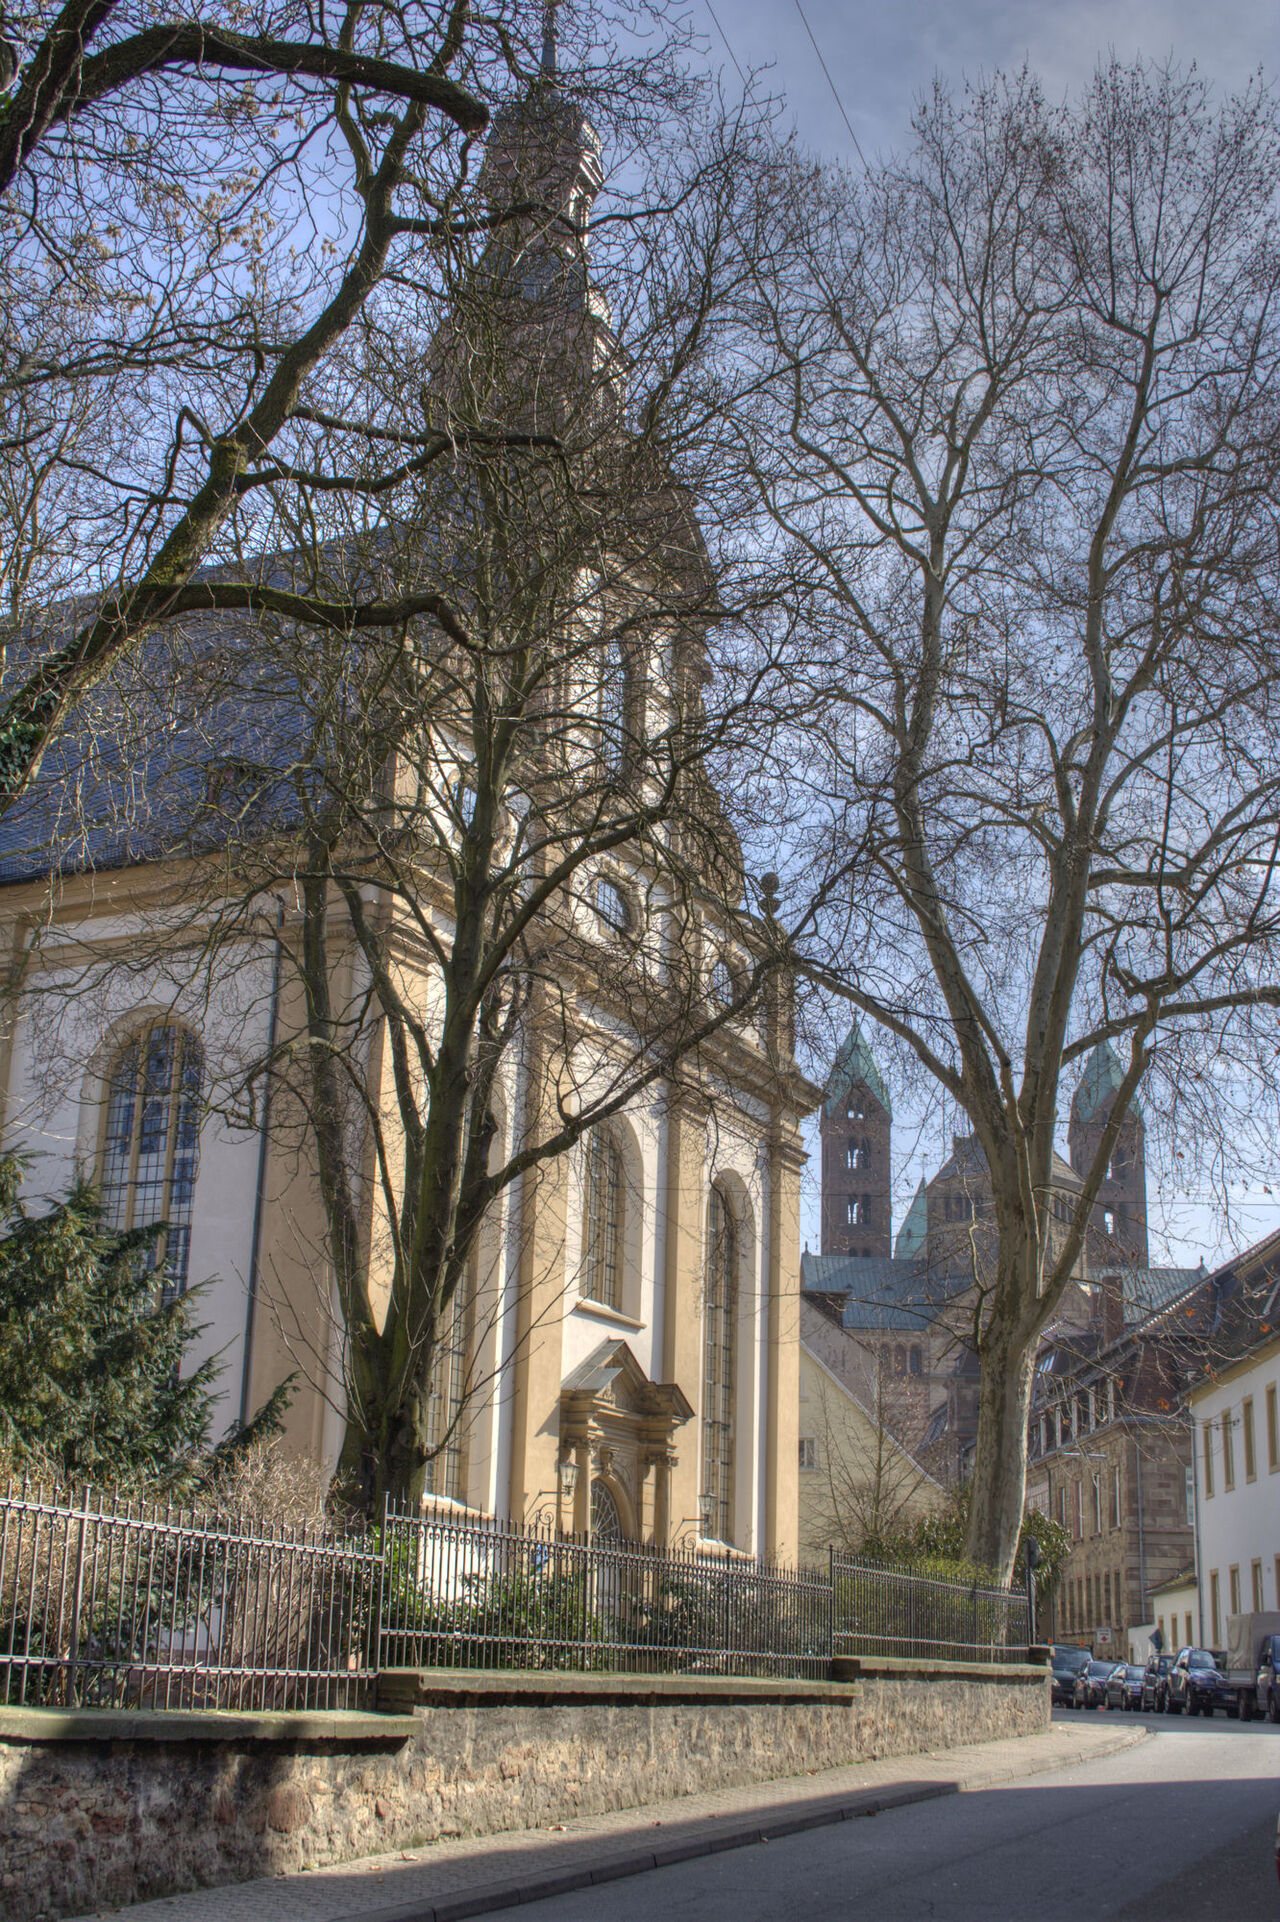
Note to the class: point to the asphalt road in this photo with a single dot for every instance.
(1180, 1829)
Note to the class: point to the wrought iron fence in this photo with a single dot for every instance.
(877, 1609)
(117, 1604)
(479, 1594)
(127, 1604)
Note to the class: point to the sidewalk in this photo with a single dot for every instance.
(450, 1880)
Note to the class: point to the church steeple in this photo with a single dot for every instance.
(856, 1127)
(544, 154)
(1118, 1228)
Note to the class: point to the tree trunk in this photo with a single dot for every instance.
(391, 1461)
(1000, 1459)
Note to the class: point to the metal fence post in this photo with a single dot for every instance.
(831, 1600)
(1033, 1562)
(77, 1600)
(380, 1618)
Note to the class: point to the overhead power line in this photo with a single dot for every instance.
(724, 36)
(831, 83)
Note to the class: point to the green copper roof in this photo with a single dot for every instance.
(913, 1232)
(854, 1064)
(1099, 1083)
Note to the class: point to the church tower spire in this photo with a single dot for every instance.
(1118, 1226)
(537, 344)
(856, 1128)
(543, 156)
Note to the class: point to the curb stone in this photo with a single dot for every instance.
(742, 1833)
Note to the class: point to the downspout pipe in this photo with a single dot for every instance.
(1195, 1525)
(1142, 1543)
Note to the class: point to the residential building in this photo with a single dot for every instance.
(1234, 1408)
(1110, 1458)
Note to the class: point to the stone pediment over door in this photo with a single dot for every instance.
(618, 1427)
(612, 1378)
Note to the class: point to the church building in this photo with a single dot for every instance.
(905, 1303)
(625, 1361)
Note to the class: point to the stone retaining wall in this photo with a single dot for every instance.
(100, 1809)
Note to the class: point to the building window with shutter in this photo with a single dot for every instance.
(1115, 1495)
(1206, 1436)
(1246, 1433)
(1273, 1429)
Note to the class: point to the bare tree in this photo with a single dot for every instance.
(1016, 438)
(199, 209)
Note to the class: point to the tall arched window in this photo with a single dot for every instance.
(445, 1404)
(719, 1369)
(151, 1144)
(602, 1226)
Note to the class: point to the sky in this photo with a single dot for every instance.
(880, 59)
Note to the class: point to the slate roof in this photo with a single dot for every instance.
(1149, 1290)
(173, 752)
(880, 1292)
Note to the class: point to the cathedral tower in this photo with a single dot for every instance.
(856, 1127)
(1118, 1229)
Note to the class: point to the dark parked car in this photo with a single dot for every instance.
(1091, 1685)
(1154, 1678)
(1067, 1663)
(1196, 1683)
(1124, 1686)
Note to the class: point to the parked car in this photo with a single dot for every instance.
(1091, 1684)
(1253, 1663)
(1266, 1699)
(1067, 1663)
(1154, 1678)
(1198, 1683)
(1124, 1686)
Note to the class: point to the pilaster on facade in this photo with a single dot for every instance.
(782, 1350)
